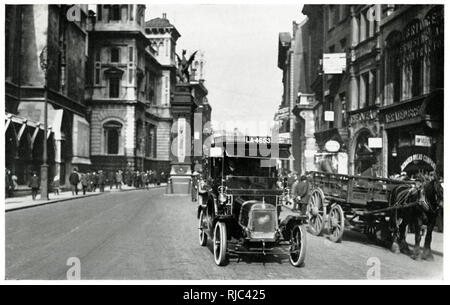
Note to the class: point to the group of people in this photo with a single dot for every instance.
(90, 181)
(10, 183)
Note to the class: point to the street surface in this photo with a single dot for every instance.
(149, 235)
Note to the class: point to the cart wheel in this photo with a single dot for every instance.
(316, 212)
(298, 246)
(220, 243)
(202, 237)
(336, 223)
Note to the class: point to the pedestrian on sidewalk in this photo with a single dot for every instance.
(101, 181)
(94, 181)
(119, 178)
(8, 183)
(34, 184)
(111, 179)
(74, 178)
(147, 180)
(84, 183)
(56, 185)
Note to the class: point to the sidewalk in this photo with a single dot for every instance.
(24, 202)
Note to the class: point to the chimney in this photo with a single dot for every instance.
(164, 16)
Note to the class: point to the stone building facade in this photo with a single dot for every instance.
(124, 85)
(392, 79)
(52, 37)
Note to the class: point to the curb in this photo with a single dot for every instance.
(37, 204)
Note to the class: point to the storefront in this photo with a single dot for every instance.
(366, 143)
(415, 135)
(333, 156)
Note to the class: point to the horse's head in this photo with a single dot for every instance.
(432, 194)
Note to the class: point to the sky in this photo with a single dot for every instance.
(240, 45)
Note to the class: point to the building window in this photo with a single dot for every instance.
(413, 58)
(393, 68)
(112, 137)
(130, 54)
(115, 55)
(115, 12)
(114, 87)
(97, 75)
(99, 12)
(150, 150)
(434, 46)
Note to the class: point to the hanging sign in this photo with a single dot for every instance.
(422, 141)
(375, 142)
(332, 146)
(334, 63)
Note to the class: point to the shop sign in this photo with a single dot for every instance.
(362, 117)
(418, 157)
(334, 63)
(329, 116)
(423, 141)
(375, 142)
(404, 114)
(332, 146)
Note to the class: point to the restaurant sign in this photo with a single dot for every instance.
(418, 157)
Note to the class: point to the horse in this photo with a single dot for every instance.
(421, 204)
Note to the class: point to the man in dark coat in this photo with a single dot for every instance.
(74, 179)
(101, 181)
(300, 193)
(118, 179)
(94, 181)
(84, 183)
(34, 184)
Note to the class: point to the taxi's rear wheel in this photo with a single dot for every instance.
(220, 243)
(202, 237)
(298, 247)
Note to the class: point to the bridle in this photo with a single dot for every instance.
(424, 202)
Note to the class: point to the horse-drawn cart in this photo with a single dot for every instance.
(361, 203)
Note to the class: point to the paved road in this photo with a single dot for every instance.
(147, 235)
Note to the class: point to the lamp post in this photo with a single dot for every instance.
(44, 166)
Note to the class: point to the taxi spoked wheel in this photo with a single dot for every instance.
(202, 237)
(220, 243)
(297, 251)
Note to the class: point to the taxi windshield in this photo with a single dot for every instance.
(250, 167)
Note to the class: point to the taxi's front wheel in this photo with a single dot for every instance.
(220, 243)
(298, 247)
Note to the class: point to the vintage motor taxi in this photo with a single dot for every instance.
(240, 202)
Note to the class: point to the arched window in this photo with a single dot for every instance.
(112, 131)
(393, 64)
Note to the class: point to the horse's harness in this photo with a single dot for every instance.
(424, 203)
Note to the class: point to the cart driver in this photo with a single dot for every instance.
(300, 194)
